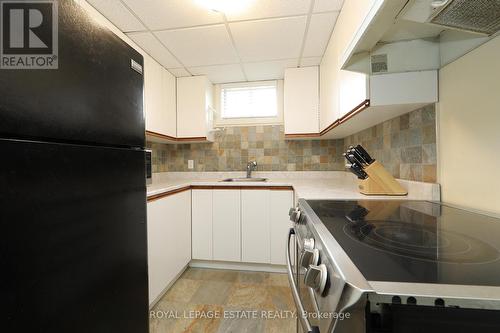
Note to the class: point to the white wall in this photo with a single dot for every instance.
(469, 129)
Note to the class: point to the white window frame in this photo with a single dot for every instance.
(246, 121)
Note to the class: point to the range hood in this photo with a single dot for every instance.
(415, 35)
(478, 16)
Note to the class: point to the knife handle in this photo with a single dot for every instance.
(358, 157)
(364, 153)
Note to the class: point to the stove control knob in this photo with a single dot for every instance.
(315, 277)
(308, 243)
(309, 257)
(295, 215)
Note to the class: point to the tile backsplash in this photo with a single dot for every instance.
(406, 145)
(234, 147)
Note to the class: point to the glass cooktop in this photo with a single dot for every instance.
(415, 241)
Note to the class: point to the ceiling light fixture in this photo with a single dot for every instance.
(225, 6)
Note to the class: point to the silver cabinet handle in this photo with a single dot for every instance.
(304, 322)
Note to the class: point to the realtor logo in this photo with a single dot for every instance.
(28, 34)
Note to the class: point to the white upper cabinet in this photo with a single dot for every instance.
(390, 95)
(353, 90)
(301, 100)
(152, 95)
(194, 107)
(365, 93)
(159, 99)
(169, 89)
(349, 21)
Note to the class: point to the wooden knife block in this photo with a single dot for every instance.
(380, 182)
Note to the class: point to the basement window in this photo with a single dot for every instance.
(250, 103)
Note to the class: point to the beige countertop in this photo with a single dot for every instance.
(307, 185)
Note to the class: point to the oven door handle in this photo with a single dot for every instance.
(304, 322)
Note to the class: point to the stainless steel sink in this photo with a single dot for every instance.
(244, 180)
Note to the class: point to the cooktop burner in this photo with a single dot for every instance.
(415, 241)
(421, 243)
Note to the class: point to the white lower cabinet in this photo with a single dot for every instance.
(240, 225)
(169, 240)
(226, 225)
(255, 226)
(202, 224)
(280, 203)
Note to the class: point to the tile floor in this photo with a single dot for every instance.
(223, 301)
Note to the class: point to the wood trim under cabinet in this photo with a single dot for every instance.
(193, 138)
(202, 187)
(217, 187)
(242, 187)
(161, 136)
(167, 193)
(302, 135)
(358, 109)
(329, 127)
(174, 139)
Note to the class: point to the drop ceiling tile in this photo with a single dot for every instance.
(318, 35)
(154, 48)
(178, 72)
(268, 70)
(310, 61)
(118, 14)
(327, 5)
(269, 39)
(255, 9)
(200, 46)
(220, 73)
(167, 14)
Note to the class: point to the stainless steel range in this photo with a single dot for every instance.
(394, 266)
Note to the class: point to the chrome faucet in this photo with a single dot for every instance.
(251, 166)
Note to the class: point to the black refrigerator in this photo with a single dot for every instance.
(72, 187)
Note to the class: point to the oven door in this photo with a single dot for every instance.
(302, 295)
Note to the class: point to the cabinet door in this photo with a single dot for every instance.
(202, 224)
(153, 102)
(160, 99)
(193, 98)
(353, 91)
(350, 19)
(280, 203)
(255, 227)
(169, 104)
(226, 225)
(301, 100)
(169, 240)
(181, 229)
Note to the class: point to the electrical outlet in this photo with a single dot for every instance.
(190, 164)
